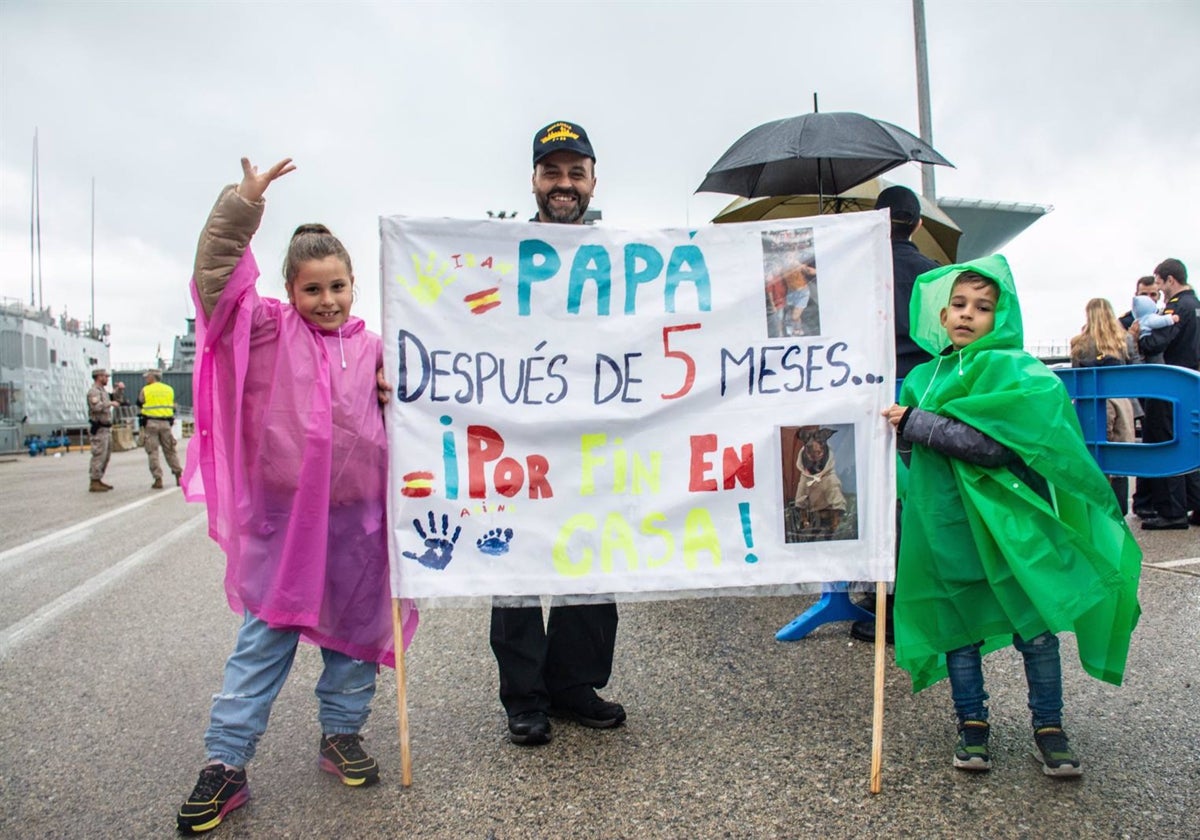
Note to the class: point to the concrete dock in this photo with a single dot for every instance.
(114, 631)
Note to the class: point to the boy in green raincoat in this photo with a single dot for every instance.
(1010, 531)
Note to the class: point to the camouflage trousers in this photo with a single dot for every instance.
(101, 449)
(157, 434)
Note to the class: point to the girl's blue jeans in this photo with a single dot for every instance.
(1043, 672)
(255, 673)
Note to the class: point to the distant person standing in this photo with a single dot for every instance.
(1101, 343)
(1179, 345)
(156, 404)
(907, 264)
(100, 416)
(1149, 287)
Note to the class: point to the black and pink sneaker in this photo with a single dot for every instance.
(219, 790)
(343, 756)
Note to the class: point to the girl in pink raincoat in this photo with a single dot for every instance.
(289, 456)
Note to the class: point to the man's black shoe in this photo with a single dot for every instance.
(864, 631)
(590, 710)
(1158, 523)
(866, 602)
(529, 729)
(1145, 513)
(1194, 519)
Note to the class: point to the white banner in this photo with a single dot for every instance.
(586, 409)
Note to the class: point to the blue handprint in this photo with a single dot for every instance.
(495, 542)
(439, 551)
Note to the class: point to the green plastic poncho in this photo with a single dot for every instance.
(984, 555)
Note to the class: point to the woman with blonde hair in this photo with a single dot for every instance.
(1102, 342)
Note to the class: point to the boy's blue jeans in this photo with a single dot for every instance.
(1043, 672)
(255, 673)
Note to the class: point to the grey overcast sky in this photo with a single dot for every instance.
(428, 109)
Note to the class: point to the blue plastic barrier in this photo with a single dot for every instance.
(834, 605)
(1088, 387)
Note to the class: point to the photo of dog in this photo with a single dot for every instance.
(820, 505)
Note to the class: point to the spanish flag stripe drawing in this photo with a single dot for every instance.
(480, 302)
(474, 296)
(417, 485)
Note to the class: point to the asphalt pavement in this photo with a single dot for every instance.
(114, 631)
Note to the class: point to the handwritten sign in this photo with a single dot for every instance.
(588, 409)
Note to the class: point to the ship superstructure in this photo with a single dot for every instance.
(45, 371)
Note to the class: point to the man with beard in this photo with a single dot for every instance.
(553, 669)
(1179, 345)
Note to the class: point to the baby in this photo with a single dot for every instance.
(1145, 312)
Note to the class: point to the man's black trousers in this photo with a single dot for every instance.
(540, 663)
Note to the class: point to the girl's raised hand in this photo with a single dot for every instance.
(255, 183)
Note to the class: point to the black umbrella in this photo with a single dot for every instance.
(816, 153)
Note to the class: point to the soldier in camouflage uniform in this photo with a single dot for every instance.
(100, 407)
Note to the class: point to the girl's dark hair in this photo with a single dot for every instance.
(313, 242)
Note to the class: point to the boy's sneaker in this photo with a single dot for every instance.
(971, 753)
(219, 790)
(1056, 755)
(343, 756)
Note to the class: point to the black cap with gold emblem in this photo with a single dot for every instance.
(561, 137)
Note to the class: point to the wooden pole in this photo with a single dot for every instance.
(401, 696)
(877, 717)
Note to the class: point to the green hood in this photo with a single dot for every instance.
(986, 552)
(932, 293)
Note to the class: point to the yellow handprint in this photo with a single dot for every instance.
(432, 279)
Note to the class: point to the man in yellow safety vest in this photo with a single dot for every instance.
(157, 406)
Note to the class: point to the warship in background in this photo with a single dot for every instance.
(184, 355)
(46, 368)
(46, 362)
(45, 371)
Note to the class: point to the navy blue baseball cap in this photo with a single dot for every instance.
(903, 202)
(561, 137)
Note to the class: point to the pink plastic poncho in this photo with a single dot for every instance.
(290, 456)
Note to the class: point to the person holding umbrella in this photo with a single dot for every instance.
(907, 263)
